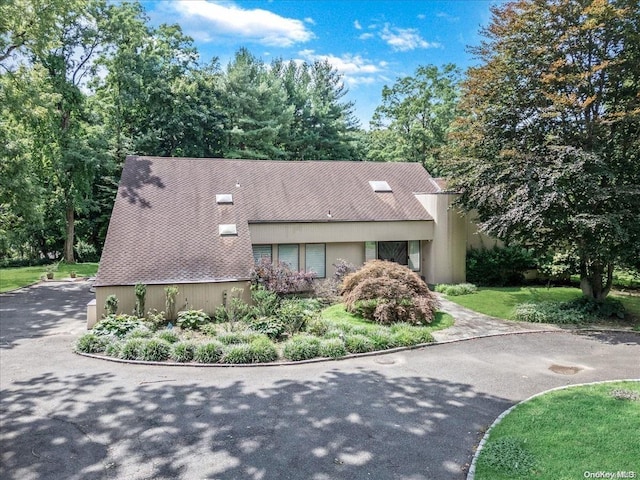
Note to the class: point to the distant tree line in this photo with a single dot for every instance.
(541, 138)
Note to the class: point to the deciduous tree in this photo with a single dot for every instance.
(548, 142)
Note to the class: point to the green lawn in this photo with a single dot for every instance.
(338, 313)
(500, 301)
(565, 433)
(12, 278)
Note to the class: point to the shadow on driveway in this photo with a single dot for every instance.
(339, 426)
(42, 310)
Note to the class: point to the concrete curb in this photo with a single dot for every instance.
(472, 469)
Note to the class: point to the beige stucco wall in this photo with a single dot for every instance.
(476, 239)
(204, 296)
(264, 233)
(352, 252)
(444, 257)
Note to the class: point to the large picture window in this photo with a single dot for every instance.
(289, 254)
(315, 258)
(260, 252)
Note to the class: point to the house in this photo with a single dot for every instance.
(202, 223)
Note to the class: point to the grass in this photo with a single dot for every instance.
(17, 277)
(338, 314)
(565, 433)
(500, 301)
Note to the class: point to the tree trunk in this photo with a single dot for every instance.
(68, 241)
(591, 280)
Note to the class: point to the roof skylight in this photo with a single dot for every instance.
(224, 198)
(380, 186)
(227, 229)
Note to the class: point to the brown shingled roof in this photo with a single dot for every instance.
(164, 225)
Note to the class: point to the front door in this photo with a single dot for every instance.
(393, 252)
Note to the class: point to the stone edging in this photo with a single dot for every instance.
(472, 469)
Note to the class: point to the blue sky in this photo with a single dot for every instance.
(371, 43)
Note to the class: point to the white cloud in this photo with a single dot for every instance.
(227, 19)
(405, 39)
(357, 25)
(447, 17)
(310, 20)
(366, 36)
(346, 64)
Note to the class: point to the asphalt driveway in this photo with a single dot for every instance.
(410, 415)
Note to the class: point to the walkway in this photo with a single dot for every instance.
(408, 415)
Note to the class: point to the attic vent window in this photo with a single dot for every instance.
(380, 186)
(227, 229)
(224, 198)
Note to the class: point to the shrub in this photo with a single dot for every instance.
(209, 329)
(294, 314)
(141, 293)
(90, 343)
(113, 348)
(182, 352)
(457, 289)
(357, 343)
(328, 290)
(270, 326)
(111, 305)
(156, 319)
(237, 354)
(279, 278)
(382, 340)
(498, 266)
(386, 292)
(331, 348)
(118, 325)
(192, 319)
(237, 310)
(405, 335)
(85, 252)
(550, 312)
(168, 336)
(263, 351)
(318, 327)
(232, 338)
(210, 352)
(301, 347)
(610, 307)
(265, 301)
(141, 331)
(155, 350)
(132, 349)
(170, 294)
(259, 350)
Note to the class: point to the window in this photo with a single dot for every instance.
(380, 186)
(260, 252)
(370, 251)
(289, 254)
(227, 229)
(414, 255)
(393, 252)
(224, 198)
(315, 258)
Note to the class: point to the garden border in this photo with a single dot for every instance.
(310, 360)
(472, 468)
